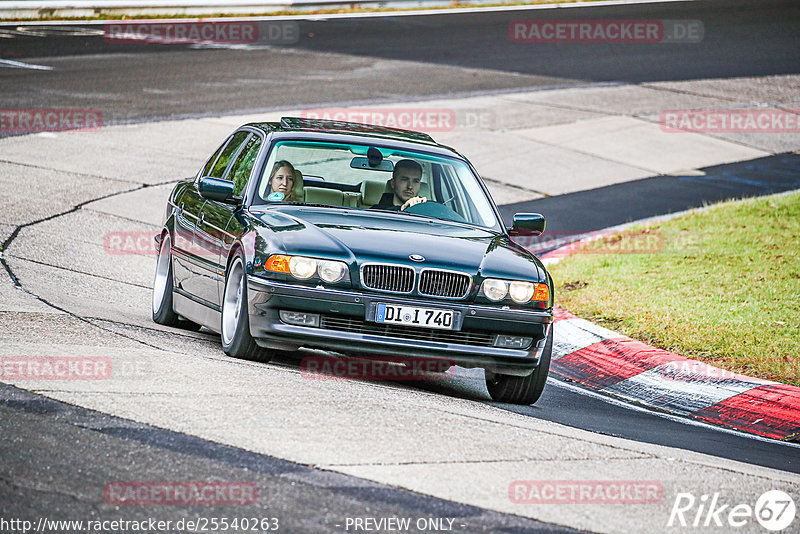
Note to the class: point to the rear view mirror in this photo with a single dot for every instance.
(364, 163)
(218, 189)
(527, 224)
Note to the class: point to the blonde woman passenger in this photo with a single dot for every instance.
(283, 180)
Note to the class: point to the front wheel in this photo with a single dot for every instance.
(235, 322)
(522, 389)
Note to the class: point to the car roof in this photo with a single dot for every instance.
(352, 131)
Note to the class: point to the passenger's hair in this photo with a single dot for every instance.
(406, 164)
(278, 165)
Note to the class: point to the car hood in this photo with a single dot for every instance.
(361, 237)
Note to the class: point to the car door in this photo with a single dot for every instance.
(209, 235)
(240, 174)
(189, 204)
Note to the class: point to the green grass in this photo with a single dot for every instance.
(724, 288)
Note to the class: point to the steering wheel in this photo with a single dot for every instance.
(435, 209)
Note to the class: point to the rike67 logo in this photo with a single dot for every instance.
(774, 510)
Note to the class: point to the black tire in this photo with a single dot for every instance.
(163, 285)
(522, 389)
(163, 312)
(234, 319)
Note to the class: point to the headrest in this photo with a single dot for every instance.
(372, 191)
(320, 195)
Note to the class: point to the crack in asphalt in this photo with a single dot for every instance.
(87, 321)
(74, 173)
(75, 208)
(183, 333)
(93, 275)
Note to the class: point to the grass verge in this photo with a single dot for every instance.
(721, 285)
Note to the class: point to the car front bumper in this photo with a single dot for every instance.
(347, 326)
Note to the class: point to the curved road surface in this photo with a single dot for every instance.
(359, 60)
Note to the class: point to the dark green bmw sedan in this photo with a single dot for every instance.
(361, 240)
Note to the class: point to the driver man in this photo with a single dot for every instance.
(405, 183)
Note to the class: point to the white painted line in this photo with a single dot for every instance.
(679, 395)
(10, 63)
(675, 418)
(571, 335)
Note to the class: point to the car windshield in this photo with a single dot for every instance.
(361, 176)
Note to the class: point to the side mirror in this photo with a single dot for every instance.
(527, 224)
(218, 189)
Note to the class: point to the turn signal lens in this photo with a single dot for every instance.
(495, 290)
(520, 292)
(542, 293)
(277, 264)
(301, 267)
(331, 271)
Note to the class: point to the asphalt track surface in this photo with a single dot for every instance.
(596, 209)
(387, 59)
(440, 55)
(103, 448)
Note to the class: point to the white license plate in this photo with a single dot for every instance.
(413, 316)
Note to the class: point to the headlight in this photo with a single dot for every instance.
(520, 292)
(331, 271)
(494, 289)
(302, 268)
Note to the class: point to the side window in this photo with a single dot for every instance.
(210, 162)
(455, 196)
(243, 165)
(229, 152)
